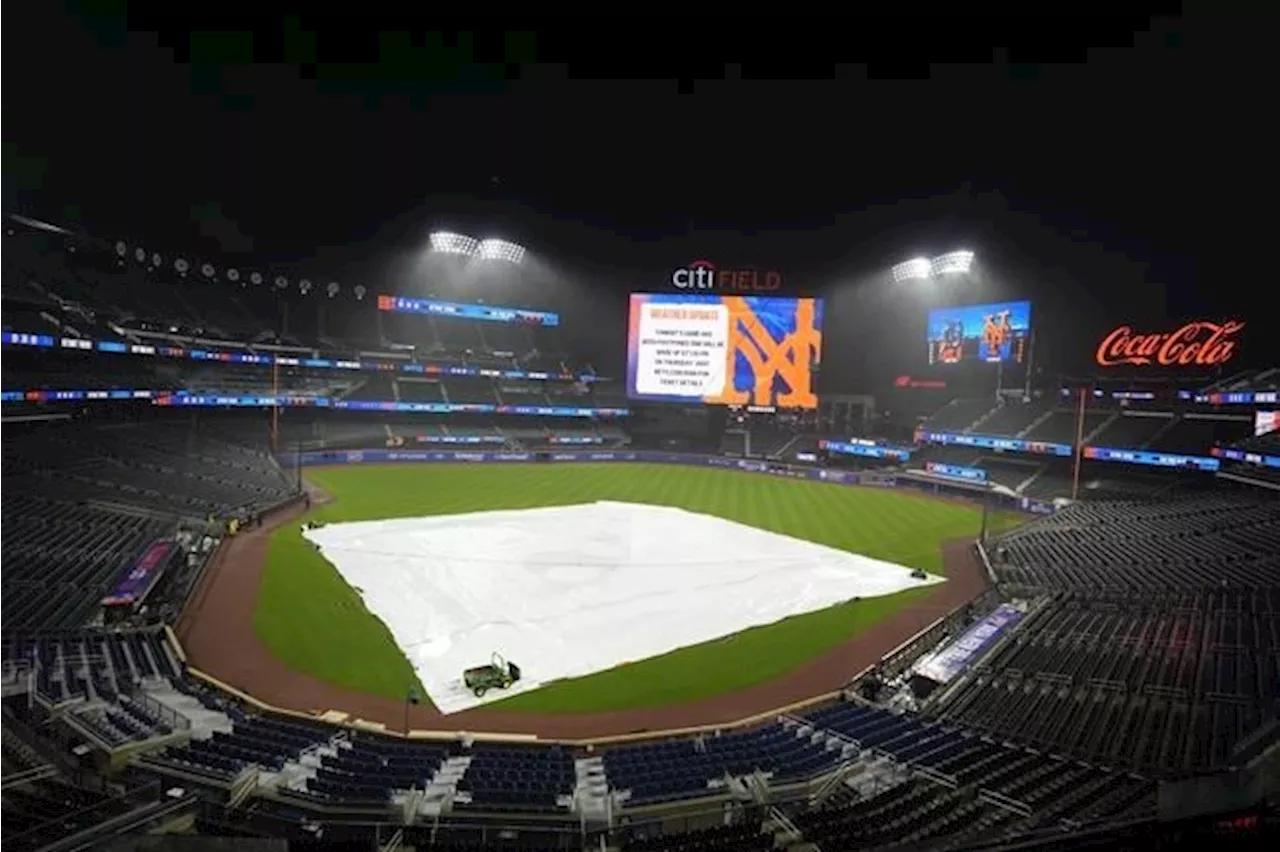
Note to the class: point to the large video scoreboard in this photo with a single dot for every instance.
(724, 350)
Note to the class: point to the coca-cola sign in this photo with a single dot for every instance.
(1195, 344)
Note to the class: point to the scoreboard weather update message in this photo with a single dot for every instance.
(724, 350)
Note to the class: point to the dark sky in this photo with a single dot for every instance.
(1141, 171)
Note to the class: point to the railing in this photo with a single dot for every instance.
(986, 562)
(1000, 800)
(170, 717)
(26, 776)
(144, 807)
(945, 779)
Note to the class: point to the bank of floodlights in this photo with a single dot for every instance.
(923, 268)
(449, 243)
(912, 270)
(500, 250)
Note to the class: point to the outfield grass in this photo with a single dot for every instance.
(313, 621)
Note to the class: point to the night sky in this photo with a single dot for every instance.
(1135, 184)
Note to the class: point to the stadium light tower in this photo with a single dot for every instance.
(445, 242)
(916, 269)
(924, 269)
(501, 250)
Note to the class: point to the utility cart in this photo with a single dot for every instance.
(498, 674)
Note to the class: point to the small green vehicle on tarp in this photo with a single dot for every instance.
(498, 674)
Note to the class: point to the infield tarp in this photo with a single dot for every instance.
(566, 591)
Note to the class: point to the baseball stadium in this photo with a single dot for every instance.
(452, 583)
(494, 537)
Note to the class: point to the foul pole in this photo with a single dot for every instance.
(1075, 473)
(275, 408)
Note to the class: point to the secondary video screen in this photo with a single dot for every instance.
(724, 350)
(1264, 423)
(996, 332)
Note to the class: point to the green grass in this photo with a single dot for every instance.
(313, 621)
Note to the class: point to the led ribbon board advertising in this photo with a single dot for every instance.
(1195, 344)
(487, 313)
(724, 350)
(995, 332)
(955, 471)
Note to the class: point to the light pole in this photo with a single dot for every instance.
(410, 699)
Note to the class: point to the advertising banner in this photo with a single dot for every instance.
(488, 313)
(868, 450)
(955, 471)
(993, 442)
(1109, 454)
(322, 458)
(956, 657)
(142, 576)
(1195, 344)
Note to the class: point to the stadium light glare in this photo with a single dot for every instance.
(450, 243)
(952, 263)
(916, 269)
(923, 268)
(501, 250)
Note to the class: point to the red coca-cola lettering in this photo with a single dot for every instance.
(1200, 344)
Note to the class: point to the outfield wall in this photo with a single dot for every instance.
(920, 482)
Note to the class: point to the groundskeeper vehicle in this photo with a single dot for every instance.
(498, 674)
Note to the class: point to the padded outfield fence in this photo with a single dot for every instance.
(916, 480)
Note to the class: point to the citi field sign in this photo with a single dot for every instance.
(704, 276)
(1195, 344)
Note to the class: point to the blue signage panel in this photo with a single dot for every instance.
(1109, 454)
(955, 471)
(993, 442)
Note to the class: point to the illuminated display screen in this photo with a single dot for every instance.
(1203, 463)
(724, 350)
(870, 451)
(955, 471)
(992, 332)
(488, 313)
(993, 442)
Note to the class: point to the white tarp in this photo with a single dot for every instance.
(568, 591)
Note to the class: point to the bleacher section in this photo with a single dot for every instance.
(1147, 546)
(958, 415)
(1195, 435)
(1132, 431)
(61, 559)
(1015, 417)
(86, 666)
(171, 471)
(1162, 684)
(1154, 645)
